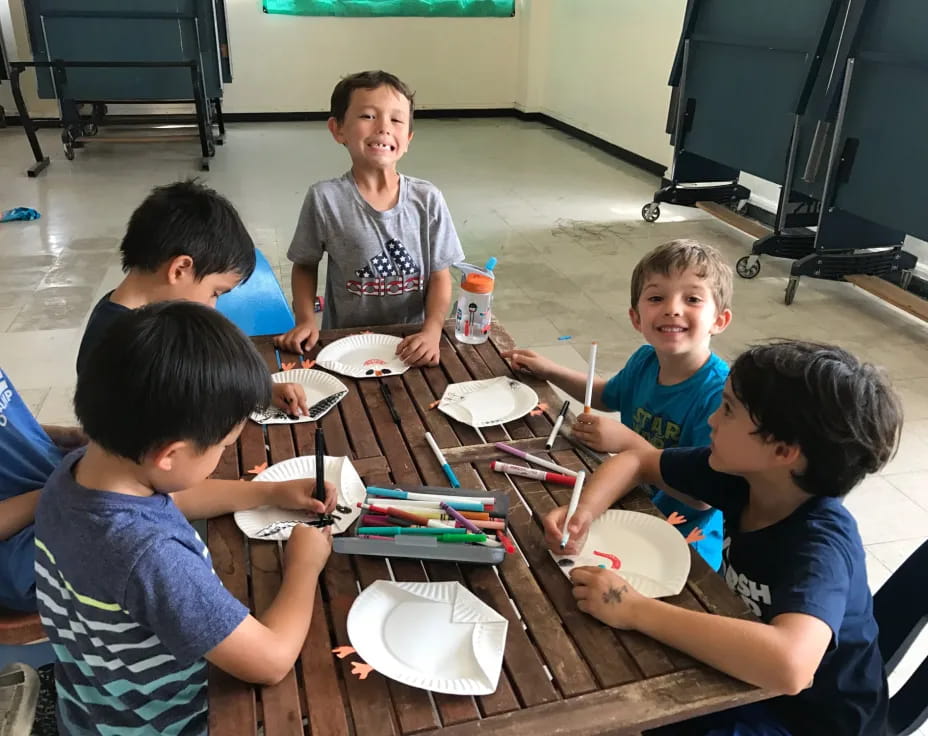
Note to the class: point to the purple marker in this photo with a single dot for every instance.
(462, 520)
(533, 459)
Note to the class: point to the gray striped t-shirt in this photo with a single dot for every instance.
(129, 599)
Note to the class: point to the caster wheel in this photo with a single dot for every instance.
(650, 212)
(204, 164)
(791, 290)
(90, 129)
(748, 267)
(69, 151)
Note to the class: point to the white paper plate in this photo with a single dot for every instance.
(363, 356)
(654, 556)
(339, 470)
(436, 636)
(323, 391)
(488, 402)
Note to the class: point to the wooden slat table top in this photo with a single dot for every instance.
(563, 671)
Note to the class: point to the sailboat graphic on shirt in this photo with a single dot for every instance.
(392, 271)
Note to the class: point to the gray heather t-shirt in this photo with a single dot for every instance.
(379, 262)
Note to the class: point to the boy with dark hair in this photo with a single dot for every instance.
(799, 426)
(126, 589)
(389, 237)
(680, 297)
(185, 241)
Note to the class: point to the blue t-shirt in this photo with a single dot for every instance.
(27, 457)
(672, 416)
(811, 562)
(130, 602)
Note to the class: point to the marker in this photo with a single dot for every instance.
(572, 507)
(320, 464)
(534, 473)
(557, 425)
(537, 460)
(436, 450)
(506, 542)
(588, 399)
(391, 531)
(472, 501)
(466, 523)
(462, 538)
(388, 398)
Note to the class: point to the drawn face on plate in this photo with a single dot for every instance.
(372, 370)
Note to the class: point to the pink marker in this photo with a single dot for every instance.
(536, 460)
(535, 473)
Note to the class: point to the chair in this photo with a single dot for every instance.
(901, 610)
(21, 636)
(258, 306)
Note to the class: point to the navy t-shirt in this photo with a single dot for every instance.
(811, 562)
(103, 315)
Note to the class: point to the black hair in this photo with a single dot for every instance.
(168, 372)
(841, 413)
(188, 219)
(341, 95)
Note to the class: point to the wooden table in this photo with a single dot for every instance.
(564, 672)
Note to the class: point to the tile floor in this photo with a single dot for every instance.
(562, 218)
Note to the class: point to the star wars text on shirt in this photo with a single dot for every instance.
(657, 430)
(752, 593)
(392, 271)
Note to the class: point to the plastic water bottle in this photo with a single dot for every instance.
(472, 316)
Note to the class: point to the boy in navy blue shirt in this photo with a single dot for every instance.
(126, 589)
(680, 297)
(800, 425)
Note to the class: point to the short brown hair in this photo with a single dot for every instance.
(684, 255)
(341, 95)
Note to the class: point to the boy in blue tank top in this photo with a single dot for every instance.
(680, 297)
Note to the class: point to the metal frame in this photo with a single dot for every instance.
(59, 69)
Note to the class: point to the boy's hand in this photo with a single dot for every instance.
(607, 596)
(420, 348)
(579, 527)
(307, 549)
(528, 361)
(300, 494)
(67, 438)
(600, 433)
(300, 339)
(291, 398)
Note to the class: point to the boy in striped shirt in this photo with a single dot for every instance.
(125, 587)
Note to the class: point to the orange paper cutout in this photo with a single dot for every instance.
(536, 412)
(287, 366)
(543, 406)
(342, 652)
(361, 670)
(695, 536)
(434, 404)
(308, 363)
(676, 519)
(258, 468)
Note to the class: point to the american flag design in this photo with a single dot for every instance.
(392, 271)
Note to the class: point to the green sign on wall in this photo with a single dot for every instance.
(371, 8)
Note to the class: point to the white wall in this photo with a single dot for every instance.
(606, 68)
(286, 64)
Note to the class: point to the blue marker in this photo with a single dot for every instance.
(452, 478)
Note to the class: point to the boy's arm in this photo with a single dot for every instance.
(213, 498)
(67, 438)
(613, 480)
(263, 649)
(16, 513)
(303, 282)
(422, 348)
(781, 656)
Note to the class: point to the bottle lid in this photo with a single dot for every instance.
(477, 283)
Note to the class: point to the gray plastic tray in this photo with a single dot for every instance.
(426, 548)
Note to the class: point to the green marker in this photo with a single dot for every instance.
(462, 538)
(394, 531)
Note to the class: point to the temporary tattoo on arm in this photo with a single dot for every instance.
(614, 595)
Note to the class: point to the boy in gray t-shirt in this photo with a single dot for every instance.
(389, 237)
